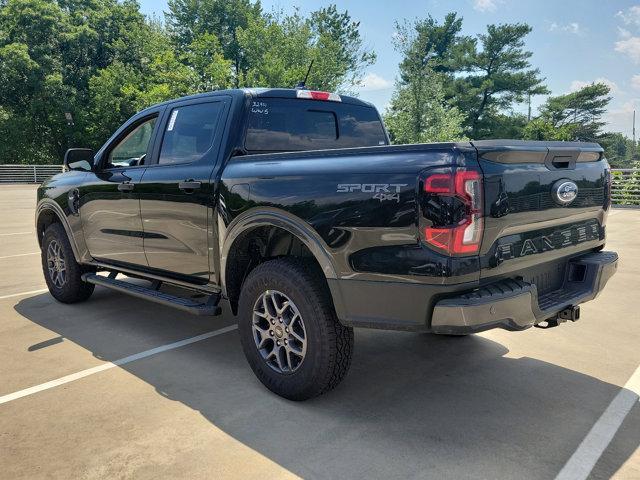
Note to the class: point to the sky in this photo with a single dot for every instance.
(574, 42)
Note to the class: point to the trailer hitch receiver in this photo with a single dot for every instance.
(571, 313)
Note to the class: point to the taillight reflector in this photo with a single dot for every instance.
(462, 239)
(315, 95)
(466, 236)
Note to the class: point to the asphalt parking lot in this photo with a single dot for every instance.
(530, 404)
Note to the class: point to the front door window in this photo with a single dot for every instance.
(132, 149)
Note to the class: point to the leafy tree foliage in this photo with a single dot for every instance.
(581, 110)
(574, 116)
(87, 58)
(419, 110)
(499, 74)
(280, 49)
(102, 60)
(275, 49)
(427, 43)
(577, 116)
(190, 20)
(482, 77)
(620, 150)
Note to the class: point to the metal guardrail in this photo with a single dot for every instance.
(625, 187)
(27, 173)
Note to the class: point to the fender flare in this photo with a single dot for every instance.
(267, 216)
(51, 206)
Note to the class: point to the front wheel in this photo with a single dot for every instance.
(289, 331)
(61, 271)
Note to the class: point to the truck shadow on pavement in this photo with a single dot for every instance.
(413, 405)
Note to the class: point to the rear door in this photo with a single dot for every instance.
(544, 202)
(177, 191)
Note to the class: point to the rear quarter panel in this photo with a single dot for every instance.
(361, 204)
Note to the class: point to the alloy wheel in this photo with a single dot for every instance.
(56, 264)
(279, 332)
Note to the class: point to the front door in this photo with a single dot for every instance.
(177, 191)
(109, 201)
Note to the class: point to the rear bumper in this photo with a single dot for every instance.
(465, 308)
(516, 305)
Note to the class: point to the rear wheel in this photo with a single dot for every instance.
(290, 333)
(61, 271)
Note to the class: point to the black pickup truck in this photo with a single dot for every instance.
(292, 207)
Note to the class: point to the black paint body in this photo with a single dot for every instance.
(380, 272)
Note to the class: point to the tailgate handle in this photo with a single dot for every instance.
(562, 158)
(561, 162)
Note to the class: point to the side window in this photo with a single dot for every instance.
(189, 133)
(132, 149)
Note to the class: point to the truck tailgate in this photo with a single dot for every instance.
(544, 202)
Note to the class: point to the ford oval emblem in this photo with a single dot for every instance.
(564, 192)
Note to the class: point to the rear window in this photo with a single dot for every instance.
(281, 125)
(189, 132)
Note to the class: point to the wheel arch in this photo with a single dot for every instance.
(236, 255)
(48, 213)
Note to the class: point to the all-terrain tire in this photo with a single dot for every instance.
(69, 287)
(329, 344)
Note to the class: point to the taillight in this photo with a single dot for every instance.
(315, 95)
(452, 211)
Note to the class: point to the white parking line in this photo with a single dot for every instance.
(106, 366)
(594, 444)
(15, 233)
(20, 255)
(23, 293)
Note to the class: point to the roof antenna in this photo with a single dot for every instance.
(303, 84)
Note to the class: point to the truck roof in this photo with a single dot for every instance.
(259, 92)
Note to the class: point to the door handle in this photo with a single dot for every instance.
(189, 185)
(125, 186)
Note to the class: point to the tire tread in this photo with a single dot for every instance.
(339, 338)
(75, 290)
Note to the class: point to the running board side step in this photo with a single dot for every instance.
(209, 308)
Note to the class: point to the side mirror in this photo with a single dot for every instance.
(79, 159)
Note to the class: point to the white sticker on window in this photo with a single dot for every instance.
(260, 108)
(172, 120)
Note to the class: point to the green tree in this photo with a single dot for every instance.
(575, 116)
(419, 111)
(542, 129)
(427, 43)
(49, 52)
(582, 110)
(31, 75)
(160, 73)
(189, 20)
(618, 149)
(340, 55)
(498, 74)
(100, 61)
(279, 50)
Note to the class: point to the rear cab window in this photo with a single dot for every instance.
(285, 125)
